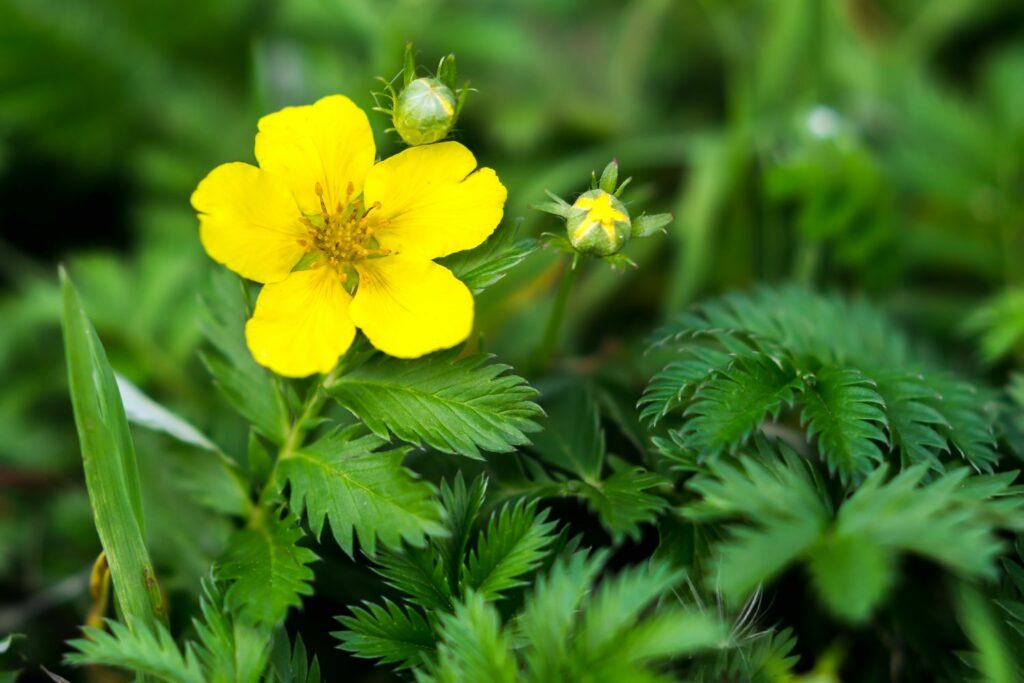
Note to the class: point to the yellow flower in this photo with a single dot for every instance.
(342, 243)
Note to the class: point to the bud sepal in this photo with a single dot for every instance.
(598, 222)
(425, 109)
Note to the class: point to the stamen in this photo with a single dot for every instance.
(319, 189)
(345, 235)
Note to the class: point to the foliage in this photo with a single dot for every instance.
(853, 377)
(465, 630)
(785, 516)
(820, 479)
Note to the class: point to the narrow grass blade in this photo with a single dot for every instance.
(108, 458)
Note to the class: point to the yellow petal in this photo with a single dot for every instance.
(433, 202)
(249, 222)
(301, 325)
(409, 307)
(329, 142)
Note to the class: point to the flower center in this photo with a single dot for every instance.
(346, 234)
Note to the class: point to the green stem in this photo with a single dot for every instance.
(300, 426)
(551, 334)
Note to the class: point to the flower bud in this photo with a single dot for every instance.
(424, 111)
(598, 223)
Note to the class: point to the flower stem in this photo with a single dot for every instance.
(300, 426)
(551, 334)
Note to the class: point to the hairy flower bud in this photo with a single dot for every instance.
(424, 111)
(598, 223)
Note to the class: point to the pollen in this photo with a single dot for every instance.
(343, 234)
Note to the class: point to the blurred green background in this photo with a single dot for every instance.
(871, 146)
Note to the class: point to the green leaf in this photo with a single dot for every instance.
(211, 476)
(852, 575)
(677, 381)
(549, 616)
(419, 573)
(936, 521)
(145, 412)
(842, 409)
(622, 503)
(753, 555)
(392, 634)
(969, 419)
(360, 489)
(108, 458)
(618, 604)
(914, 423)
(781, 515)
(512, 546)
(268, 568)
(455, 405)
(490, 262)
(138, 649)
(729, 407)
(232, 650)
(473, 646)
(573, 439)
(247, 386)
(290, 664)
(781, 505)
(461, 504)
(994, 658)
(213, 480)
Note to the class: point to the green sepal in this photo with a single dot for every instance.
(409, 66)
(446, 71)
(620, 261)
(646, 225)
(609, 177)
(557, 206)
(557, 241)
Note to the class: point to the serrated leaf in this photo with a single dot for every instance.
(753, 555)
(419, 573)
(389, 633)
(852, 575)
(573, 439)
(622, 501)
(677, 381)
(968, 420)
(913, 423)
(842, 409)
(455, 405)
(231, 650)
(512, 546)
(139, 649)
(461, 504)
(268, 569)
(474, 647)
(490, 262)
(247, 386)
(360, 489)
(290, 664)
(551, 609)
(729, 407)
(618, 603)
